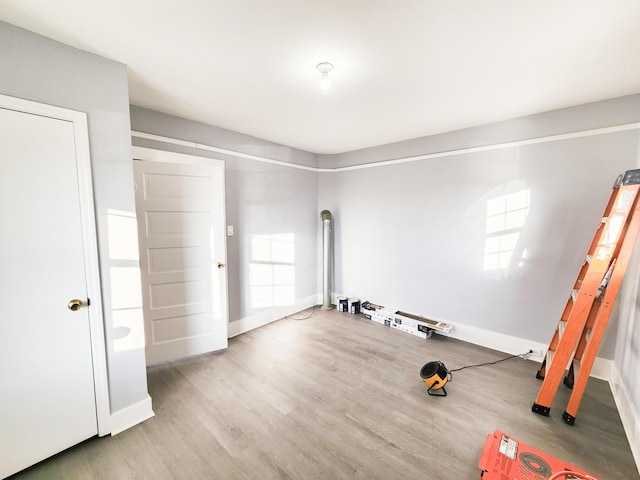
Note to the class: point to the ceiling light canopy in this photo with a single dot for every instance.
(324, 68)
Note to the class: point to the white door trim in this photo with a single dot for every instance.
(89, 239)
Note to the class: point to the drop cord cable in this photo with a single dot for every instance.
(520, 355)
(568, 474)
(313, 311)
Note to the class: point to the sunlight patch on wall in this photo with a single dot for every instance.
(124, 273)
(506, 215)
(272, 270)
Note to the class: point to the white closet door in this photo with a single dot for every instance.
(181, 225)
(47, 396)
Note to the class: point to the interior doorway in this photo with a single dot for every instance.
(181, 228)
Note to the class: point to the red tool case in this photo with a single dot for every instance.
(505, 458)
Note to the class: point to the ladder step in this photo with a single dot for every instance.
(561, 326)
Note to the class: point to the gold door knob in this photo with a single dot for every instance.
(74, 304)
(221, 265)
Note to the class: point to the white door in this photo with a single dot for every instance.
(181, 225)
(47, 396)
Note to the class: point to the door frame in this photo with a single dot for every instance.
(89, 240)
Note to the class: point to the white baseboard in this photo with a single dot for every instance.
(629, 416)
(130, 416)
(602, 369)
(484, 338)
(515, 345)
(506, 343)
(496, 341)
(267, 316)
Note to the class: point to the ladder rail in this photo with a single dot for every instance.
(574, 364)
(593, 314)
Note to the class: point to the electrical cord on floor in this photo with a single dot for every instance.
(568, 474)
(521, 355)
(436, 375)
(313, 311)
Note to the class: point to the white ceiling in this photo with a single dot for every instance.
(403, 68)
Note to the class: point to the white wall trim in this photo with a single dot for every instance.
(495, 146)
(254, 157)
(629, 416)
(131, 415)
(265, 317)
(224, 151)
(383, 163)
(89, 240)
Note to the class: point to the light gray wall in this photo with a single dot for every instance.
(39, 69)
(261, 199)
(613, 112)
(412, 235)
(149, 121)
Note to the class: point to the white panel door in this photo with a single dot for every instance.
(47, 396)
(181, 225)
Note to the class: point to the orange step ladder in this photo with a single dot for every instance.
(584, 320)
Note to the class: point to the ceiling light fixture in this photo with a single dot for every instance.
(324, 68)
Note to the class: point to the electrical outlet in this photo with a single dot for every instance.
(534, 352)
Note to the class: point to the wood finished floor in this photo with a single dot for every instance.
(339, 397)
